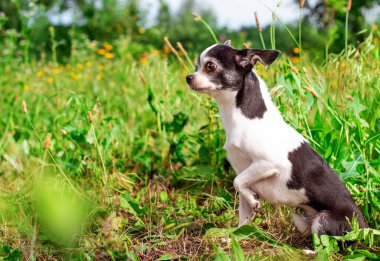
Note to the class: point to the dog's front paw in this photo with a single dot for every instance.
(255, 204)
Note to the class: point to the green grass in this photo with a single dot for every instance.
(146, 177)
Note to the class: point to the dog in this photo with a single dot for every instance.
(272, 160)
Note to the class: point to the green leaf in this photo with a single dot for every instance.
(357, 257)
(168, 257)
(133, 208)
(218, 232)
(5, 250)
(350, 167)
(150, 99)
(132, 256)
(163, 196)
(356, 106)
(220, 255)
(179, 121)
(15, 255)
(367, 254)
(237, 252)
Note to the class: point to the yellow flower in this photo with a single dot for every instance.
(141, 30)
(79, 66)
(375, 40)
(143, 59)
(26, 87)
(40, 73)
(374, 27)
(88, 64)
(101, 51)
(74, 76)
(56, 70)
(99, 76)
(155, 52)
(108, 55)
(167, 49)
(107, 46)
(49, 80)
(296, 50)
(295, 59)
(100, 67)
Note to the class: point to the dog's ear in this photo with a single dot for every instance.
(248, 57)
(228, 42)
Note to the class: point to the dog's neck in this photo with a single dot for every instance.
(226, 101)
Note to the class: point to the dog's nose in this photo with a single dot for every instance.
(189, 78)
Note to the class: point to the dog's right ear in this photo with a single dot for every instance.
(247, 58)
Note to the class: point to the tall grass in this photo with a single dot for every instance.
(144, 176)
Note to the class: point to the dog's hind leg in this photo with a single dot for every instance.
(245, 211)
(325, 223)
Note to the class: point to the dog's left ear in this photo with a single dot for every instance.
(228, 42)
(249, 57)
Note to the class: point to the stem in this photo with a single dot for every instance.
(51, 156)
(272, 36)
(199, 18)
(300, 31)
(210, 30)
(53, 44)
(262, 40)
(346, 35)
(100, 155)
(105, 180)
(184, 52)
(259, 29)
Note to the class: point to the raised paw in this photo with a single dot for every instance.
(255, 204)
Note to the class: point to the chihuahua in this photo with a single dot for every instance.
(272, 160)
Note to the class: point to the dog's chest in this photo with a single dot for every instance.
(257, 138)
(252, 140)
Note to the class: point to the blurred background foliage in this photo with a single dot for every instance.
(27, 21)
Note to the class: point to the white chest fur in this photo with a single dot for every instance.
(268, 138)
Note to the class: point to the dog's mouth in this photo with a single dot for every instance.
(198, 89)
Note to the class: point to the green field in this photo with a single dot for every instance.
(112, 156)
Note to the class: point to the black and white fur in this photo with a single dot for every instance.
(272, 160)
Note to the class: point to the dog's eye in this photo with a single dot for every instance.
(210, 67)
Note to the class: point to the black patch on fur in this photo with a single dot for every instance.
(323, 188)
(227, 75)
(231, 76)
(249, 98)
(224, 54)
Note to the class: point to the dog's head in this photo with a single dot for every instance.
(221, 67)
